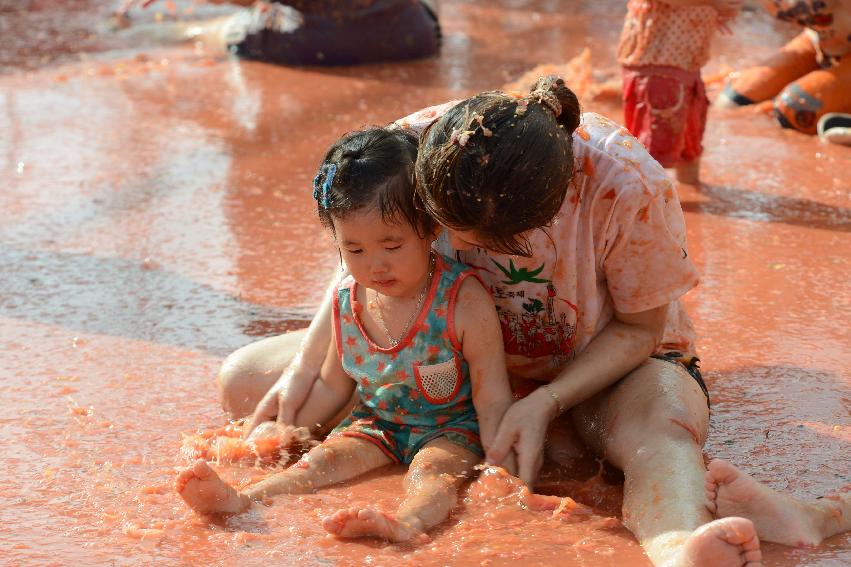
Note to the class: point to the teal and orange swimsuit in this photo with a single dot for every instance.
(418, 390)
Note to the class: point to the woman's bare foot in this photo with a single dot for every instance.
(367, 522)
(206, 493)
(731, 542)
(778, 518)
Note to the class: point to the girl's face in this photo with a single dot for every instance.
(387, 257)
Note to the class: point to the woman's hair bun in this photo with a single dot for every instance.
(570, 112)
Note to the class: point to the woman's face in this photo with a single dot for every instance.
(464, 239)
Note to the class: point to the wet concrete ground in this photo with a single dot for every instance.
(157, 214)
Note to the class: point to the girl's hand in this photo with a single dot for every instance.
(523, 429)
(283, 400)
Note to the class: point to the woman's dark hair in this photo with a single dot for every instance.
(366, 168)
(500, 165)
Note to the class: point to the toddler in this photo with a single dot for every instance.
(415, 333)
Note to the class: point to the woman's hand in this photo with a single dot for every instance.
(266, 410)
(523, 429)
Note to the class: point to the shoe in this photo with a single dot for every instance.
(835, 127)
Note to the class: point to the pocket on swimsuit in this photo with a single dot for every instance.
(665, 95)
(439, 383)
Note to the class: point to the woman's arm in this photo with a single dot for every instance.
(478, 330)
(286, 397)
(624, 343)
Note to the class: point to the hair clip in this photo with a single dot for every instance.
(322, 195)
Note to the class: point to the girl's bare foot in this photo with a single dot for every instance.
(778, 518)
(206, 493)
(731, 542)
(367, 522)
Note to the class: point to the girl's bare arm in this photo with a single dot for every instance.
(478, 329)
(291, 390)
(329, 394)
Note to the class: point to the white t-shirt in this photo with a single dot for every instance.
(618, 242)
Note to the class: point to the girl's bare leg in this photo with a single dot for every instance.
(431, 492)
(688, 172)
(248, 373)
(652, 425)
(778, 517)
(336, 460)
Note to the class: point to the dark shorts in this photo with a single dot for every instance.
(691, 365)
(325, 33)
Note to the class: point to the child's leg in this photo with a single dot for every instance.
(336, 460)
(431, 491)
(778, 517)
(688, 168)
(688, 172)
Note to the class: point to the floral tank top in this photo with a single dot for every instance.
(423, 381)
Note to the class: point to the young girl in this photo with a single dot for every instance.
(412, 331)
(662, 47)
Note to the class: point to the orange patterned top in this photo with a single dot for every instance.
(656, 33)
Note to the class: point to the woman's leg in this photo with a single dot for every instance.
(778, 517)
(431, 492)
(248, 373)
(652, 425)
(336, 460)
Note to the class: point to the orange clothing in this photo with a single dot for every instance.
(656, 33)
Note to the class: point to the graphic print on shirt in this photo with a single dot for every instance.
(540, 330)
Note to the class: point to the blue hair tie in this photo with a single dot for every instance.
(323, 194)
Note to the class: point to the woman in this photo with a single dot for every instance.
(580, 236)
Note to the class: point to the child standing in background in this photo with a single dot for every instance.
(662, 47)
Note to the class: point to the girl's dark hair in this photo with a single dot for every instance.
(371, 167)
(500, 165)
